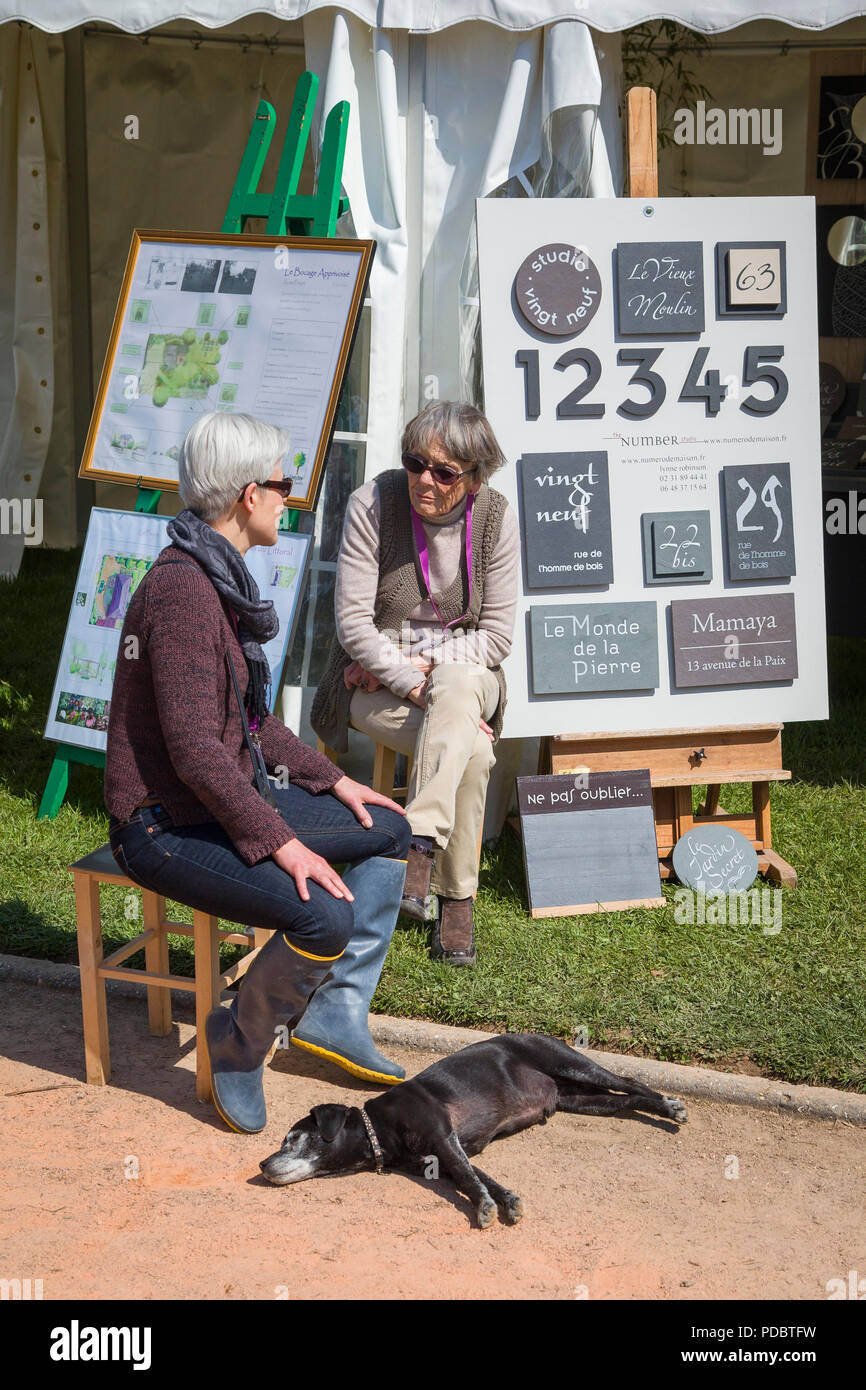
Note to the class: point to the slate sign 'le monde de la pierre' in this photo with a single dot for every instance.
(565, 515)
(587, 647)
(660, 287)
(734, 641)
(589, 842)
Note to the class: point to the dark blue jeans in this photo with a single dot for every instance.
(199, 866)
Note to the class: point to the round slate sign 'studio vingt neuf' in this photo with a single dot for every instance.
(558, 289)
(715, 859)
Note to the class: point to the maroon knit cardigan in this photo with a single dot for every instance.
(174, 728)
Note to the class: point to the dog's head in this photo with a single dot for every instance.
(331, 1139)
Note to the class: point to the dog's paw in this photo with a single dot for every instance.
(512, 1210)
(676, 1110)
(486, 1211)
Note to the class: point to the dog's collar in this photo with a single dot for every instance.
(374, 1142)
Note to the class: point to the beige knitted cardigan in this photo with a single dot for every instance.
(399, 592)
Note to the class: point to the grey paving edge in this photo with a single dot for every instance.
(818, 1102)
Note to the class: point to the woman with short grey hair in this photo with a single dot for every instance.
(194, 814)
(425, 603)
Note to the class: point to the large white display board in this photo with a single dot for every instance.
(651, 372)
(119, 549)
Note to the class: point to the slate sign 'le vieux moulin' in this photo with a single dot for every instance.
(565, 519)
(588, 841)
(660, 287)
(734, 641)
(759, 521)
(593, 646)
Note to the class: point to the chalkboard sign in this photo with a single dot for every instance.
(734, 641)
(593, 646)
(589, 843)
(715, 859)
(660, 287)
(565, 520)
(677, 547)
(759, 521)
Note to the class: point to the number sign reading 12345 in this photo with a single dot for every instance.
(701, 385)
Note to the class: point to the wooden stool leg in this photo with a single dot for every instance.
(97, 1061)
(156, 963)
(383, 770)
(207, 993)
(761, 808)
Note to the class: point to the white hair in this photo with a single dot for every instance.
(221, 454)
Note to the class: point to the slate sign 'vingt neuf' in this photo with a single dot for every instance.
(565, 519)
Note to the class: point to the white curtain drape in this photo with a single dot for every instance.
(35, 398)
(437, 121)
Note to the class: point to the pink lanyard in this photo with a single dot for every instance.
(424, 557)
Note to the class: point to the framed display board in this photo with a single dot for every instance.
(651, 373)
(119, 549)
(261, 325)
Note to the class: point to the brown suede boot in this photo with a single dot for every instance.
(418, 901)
(454, 935)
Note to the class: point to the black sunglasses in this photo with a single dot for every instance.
(283, 487)
(439, 472)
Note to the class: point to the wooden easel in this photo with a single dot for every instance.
(288, 213)
(750, 753)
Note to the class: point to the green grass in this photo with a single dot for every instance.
(791, 1005)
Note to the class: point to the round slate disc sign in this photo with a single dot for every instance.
(715, 859)
(832, 388)
(558, 290)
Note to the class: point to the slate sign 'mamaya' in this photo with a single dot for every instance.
(759, 521)
(565, 519)
(589, 842)
(660, 287)
(734, 641)
(593, 646)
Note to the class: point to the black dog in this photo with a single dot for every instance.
(452, 1110)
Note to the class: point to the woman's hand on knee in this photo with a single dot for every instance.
(355, 674)
(485, 729)
(356, 796)
(302, 863)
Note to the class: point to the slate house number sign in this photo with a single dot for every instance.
(565, 519)
(660, 287)
(734, 641)
(759, 520)
(593, 646)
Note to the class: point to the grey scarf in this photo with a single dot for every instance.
(257, 617)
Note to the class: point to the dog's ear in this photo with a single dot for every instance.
(330, 1119)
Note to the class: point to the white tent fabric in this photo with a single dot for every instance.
(431, 16)
(442, 120)
(35, 401)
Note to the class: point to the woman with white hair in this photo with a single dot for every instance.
(194, 815)
(425, 602)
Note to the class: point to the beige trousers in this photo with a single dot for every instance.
(451, 767)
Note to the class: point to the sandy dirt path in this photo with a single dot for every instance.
(616, 1207)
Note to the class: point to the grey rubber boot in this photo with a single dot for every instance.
(274, 991)
(335, 1022)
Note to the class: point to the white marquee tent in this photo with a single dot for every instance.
(450, 101)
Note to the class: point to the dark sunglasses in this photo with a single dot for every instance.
(439, 472)
(283, 487)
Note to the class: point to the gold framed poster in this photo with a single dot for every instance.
(261, 325)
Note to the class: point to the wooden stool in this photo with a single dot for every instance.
(100, 867)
